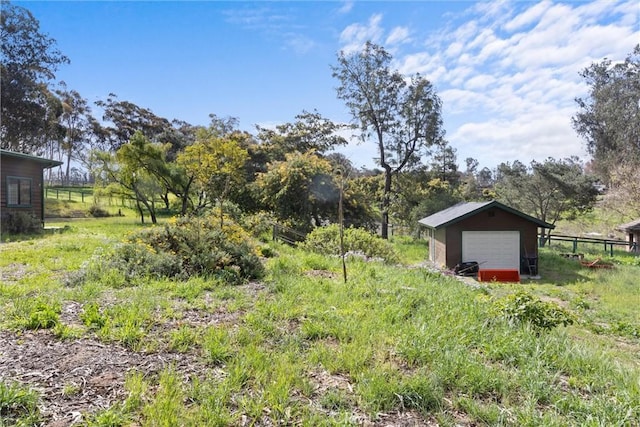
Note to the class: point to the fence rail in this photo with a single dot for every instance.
(66, 194)
(287, 235)
(608, 244)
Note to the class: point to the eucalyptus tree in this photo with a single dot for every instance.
(28, 62)
(76, 121)
(124, 118)
(609, 121)
(401, 115)
(549, 190)
(609, 118)
(309, 131)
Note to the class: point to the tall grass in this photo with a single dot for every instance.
(306, 348)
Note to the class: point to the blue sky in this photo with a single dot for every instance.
(507, 71)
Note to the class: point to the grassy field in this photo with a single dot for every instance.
(77, 202)
(395, 345)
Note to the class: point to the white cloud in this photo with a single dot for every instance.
(398, 35)
(508, 90)
(528, 17)
(508, 72)
(356, 35)
(299, 43)
(346, 7)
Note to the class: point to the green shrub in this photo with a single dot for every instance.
(98, 212)
(92, 317)
(260, 224)
(20, 222)
(522, 307)
(357, 242)
(36, 313)
(626, 328)
(192, 246)
(183, 248)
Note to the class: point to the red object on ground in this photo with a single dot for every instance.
(491, 275)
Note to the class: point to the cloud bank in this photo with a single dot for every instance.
(508, 72)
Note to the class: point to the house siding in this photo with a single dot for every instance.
(22, 168)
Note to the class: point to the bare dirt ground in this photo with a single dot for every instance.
(77, 377)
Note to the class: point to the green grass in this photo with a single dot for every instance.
(18, 405)
(303, 347)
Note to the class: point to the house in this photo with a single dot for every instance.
(632, 230)
(22, 184)
(491, 234)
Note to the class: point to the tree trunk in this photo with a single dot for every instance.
(543, 238)
(66, 175)
(185, 197)
(152, 213)
(140, 211)
(386, 198)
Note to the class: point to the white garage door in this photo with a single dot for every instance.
(492, 249)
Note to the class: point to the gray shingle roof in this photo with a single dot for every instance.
(630, 226)
(466, 209)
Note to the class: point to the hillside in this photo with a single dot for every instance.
(395, 345)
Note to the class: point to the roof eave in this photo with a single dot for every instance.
(490, 205)
(47, 163)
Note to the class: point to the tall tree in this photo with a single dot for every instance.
(28, 63)
(443, 163)
(310, 131)
(609, 118)
(609, 121)
(127, 118)
(76, 122)
(548, 191)
(401, 118)
(216, 164)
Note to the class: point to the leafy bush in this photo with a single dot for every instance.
(259, 224)
(522, 307)
(36, 313)
(182, 248)
(98, 212)
(326, 240)
(20, 222)
(627, 328)
(92, 317)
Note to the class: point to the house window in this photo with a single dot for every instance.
(18, 192)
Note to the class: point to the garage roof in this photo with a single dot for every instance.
(631, 226)
(466, 209)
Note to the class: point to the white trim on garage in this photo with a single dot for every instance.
(492, 249)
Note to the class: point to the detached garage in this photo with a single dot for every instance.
(494, 235)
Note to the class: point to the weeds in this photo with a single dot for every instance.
(18, 405)
(391, 340)
(36, 313)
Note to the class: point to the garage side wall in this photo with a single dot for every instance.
(490, 220)
(440, 255)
